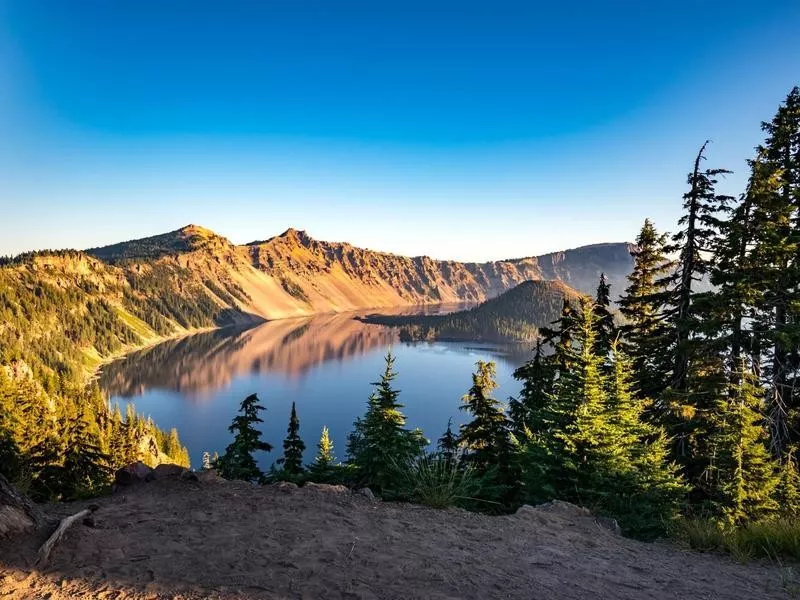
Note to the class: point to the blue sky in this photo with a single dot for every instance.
(468, 130)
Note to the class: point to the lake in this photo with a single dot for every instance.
(324, 363)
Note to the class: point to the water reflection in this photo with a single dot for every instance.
(198, 365)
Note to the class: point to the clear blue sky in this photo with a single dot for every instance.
(469, 130)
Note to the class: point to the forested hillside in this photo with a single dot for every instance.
(515, 315)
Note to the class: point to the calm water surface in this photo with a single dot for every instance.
(324, 363)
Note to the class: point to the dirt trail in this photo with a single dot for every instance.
(209, 539)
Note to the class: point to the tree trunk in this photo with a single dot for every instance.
(17, 513)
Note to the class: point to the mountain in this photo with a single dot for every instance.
(64, 312)
(515, 315)
(295, 275)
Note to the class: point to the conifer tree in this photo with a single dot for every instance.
(486, 437)
(536, 375)
(606, 328)
(645, 335)
(380, 441)
(447, 445)
(320, 469)
(774, 193)
(560, 337)
(293, 446)
(745, 472)
(238, 461)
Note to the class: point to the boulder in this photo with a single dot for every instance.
(137, 472)
(189, 475)
(166, 471)
(610, 524)
(564, 509)
(367, 493)
(326, 488)
(286, 486)
(209, 476)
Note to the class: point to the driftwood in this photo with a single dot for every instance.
(44, 552)
(17, 512)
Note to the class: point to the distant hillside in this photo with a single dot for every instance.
(293, 274)
(515, 315)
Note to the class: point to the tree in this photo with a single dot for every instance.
(238, 461)
(485, 438)
(536, 375)
(774, 193)
(644, 333)
(606, 328)
(379, 440)
(746, 476)
(320, 469)
(293, 447)
(560, 337)
(447, 445)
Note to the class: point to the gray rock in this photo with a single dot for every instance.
(286, 486)
(367, 493)
(326, 488)
(189, 475)
(610, 524)
(137, 472)
(166, 471)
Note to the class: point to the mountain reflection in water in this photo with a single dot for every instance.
(324, 363)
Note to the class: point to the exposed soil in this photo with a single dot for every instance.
(224, 540)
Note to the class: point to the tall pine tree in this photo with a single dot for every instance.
(293, 447)
(238, 461)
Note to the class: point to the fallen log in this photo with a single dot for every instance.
(44, 552)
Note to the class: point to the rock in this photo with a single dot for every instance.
(166, 471)
(610, 524)
(132, 474)
(367, 493)
(564, 509)
(189, 475)
(286, 486)
(209, 476)
(326, 488)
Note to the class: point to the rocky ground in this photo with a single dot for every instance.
(179, 539)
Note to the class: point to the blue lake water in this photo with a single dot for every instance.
(324, 363)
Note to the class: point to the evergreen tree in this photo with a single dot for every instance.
(606, 328)
(560, 337)
(447, 445)
(238, 461)
(320, 469)
(745, 472)
(379, 441)
(645, 335)
(536, 375)
(774, 193)
(486, 437)
(293, 447)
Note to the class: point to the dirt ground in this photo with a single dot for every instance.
(223, 540)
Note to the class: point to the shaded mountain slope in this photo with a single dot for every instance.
(231, 540)
(515, 315)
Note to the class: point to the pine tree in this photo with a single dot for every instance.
(787, 493)
(536, 375)
(238, 461)
(606, 328)
(379, 441)
(293, 447)
(486, 437)
(774, 193)
(447, 445)
(745, 473)
(560, 337)
(320, 469)
(644, 334)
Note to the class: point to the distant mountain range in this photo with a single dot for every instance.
(67, 310)
(513, 316)
(293, 274)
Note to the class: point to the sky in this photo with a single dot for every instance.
(463, 130)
